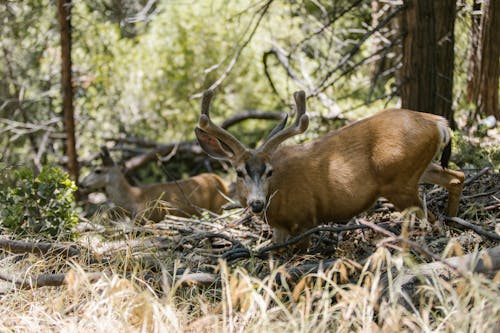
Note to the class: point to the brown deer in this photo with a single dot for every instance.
(337, 176)
(186, 197)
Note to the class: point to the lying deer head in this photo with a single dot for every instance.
(103, 175)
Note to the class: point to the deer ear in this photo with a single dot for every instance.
(213, 146)
(106, 157)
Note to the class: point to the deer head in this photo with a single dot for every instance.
(253, 166)
(101, 176)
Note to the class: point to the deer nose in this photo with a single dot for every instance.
(257, 206)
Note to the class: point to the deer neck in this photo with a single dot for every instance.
(121, 193)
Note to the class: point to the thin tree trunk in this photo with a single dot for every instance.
(64, 11)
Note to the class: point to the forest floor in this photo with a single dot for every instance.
(218, 273)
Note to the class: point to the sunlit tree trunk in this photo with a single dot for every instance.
(64, 13)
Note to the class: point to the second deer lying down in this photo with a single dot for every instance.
(339, 175)
(152, 202)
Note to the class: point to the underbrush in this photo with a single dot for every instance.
(343, 298)
(216, 274)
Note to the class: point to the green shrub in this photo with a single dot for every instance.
(469, 154)
(41, 205)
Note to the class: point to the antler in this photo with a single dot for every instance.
(206, 124)
(107, 160)
(300, 125)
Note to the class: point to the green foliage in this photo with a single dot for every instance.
(472, 155)
(143, 77)
(39, 205)
(144, 86)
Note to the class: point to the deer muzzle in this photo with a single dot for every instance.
(257, 206)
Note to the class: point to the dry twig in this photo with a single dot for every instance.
(477, 229)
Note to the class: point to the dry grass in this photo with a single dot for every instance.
(320, 302)
(355, 294)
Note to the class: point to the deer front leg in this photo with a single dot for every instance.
(280, 236)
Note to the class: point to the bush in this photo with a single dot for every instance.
(473, 155)
(40, 205)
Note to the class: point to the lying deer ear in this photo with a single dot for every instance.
(106, 157)
(213, 146)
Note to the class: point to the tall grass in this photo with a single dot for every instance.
(345, 298)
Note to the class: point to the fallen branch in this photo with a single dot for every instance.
(478, 262)
(393, 237)
(241, 252)
(306, 234)
(182, 278)
(196, 279)
(39, 248)
(45, 280)
(477, 229)
(162, 150)
(476, 176)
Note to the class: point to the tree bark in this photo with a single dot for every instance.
(488, 59)
(64, 14)
(419, 70)
(472, 83)
(445, 25)
(427, 71)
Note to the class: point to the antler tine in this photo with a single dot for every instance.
(300, 125)
(205, 102)
(300, 103)
(206, 124)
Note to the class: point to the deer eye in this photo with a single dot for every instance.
(97, 171)
(269, 173)
(240, 174)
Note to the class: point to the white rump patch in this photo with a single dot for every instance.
(444, 132)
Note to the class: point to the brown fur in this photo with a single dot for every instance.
(152, 202)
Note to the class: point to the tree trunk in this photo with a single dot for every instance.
(472, 78)
(445, 25)
(488, 59)
(427, 71)
(64, 13)
(419, 70)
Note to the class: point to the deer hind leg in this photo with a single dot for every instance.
(452, 181)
